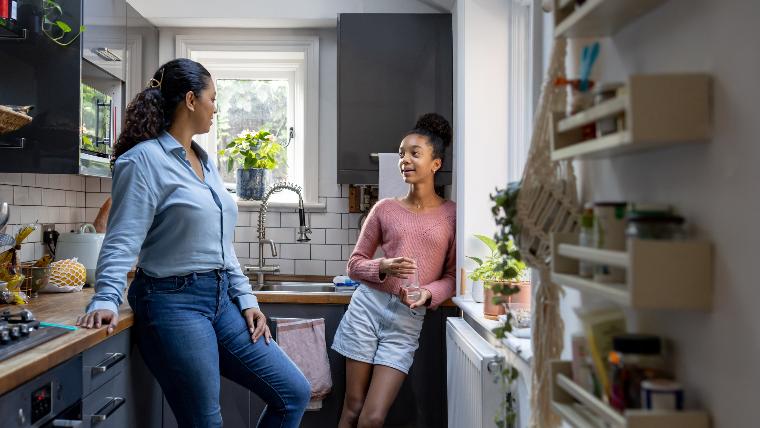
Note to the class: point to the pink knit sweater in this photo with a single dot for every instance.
(428, 238)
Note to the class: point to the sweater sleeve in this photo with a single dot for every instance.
(445, 287)
(361, 265)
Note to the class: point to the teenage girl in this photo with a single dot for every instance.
(380, 331)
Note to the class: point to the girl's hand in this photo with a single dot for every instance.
(400, 267)
(425, 294)
(257, 324)
(97, 318)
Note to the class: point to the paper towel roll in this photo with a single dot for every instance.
(390, 182)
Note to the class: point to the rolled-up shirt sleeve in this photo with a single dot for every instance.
(132, 213)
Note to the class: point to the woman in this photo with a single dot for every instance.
(195, 312)
(380, 331)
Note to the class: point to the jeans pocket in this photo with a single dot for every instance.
(169, 285)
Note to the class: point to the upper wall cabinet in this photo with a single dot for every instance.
(392, 68)
(76, 85)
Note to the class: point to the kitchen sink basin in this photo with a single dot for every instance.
(296, 287)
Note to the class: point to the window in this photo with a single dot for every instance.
(524, 48)
(270, 84)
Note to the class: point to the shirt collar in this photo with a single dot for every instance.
(170, 144)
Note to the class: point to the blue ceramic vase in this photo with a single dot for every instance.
(252, 183)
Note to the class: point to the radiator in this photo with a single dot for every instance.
(471, 366)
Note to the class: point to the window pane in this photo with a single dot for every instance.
(251, 105)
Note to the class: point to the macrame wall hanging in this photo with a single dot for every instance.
(547, 203)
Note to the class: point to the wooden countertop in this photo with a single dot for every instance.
(62, 308)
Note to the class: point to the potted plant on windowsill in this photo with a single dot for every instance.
(501, 285)
(256, 155)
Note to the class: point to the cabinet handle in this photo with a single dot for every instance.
(110, 361)
(66, 423)
(374, 156)
(108, 409)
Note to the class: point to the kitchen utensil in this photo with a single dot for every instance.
(5, 214)
(588, 57)
(84, 245)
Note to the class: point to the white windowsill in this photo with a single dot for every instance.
(517, 351)
(280, 206)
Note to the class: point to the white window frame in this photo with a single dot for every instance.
(305, 94)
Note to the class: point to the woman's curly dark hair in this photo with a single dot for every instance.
(438, 131)
(152, 110)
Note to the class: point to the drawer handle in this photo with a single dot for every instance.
(374, 157)
(108, 409)
(66, 423)
(110, 361)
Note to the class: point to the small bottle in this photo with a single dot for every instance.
(586, 239)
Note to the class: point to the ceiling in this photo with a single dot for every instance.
(271, 13)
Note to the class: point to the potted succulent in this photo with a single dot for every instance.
(256, 155)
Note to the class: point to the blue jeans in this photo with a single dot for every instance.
(189, 332)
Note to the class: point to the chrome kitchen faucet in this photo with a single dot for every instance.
(303, 230)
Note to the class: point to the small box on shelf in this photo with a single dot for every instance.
(597, 18)
(652, 111)
(580, 408)
(659, 274)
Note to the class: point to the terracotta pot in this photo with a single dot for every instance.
(524, 295)
(490, 309)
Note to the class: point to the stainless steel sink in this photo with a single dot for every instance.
(296, 287)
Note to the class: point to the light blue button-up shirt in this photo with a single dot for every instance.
(177, 222)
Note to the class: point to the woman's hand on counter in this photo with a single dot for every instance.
(425, 295)
(97, 318)
(400, 267)
(257, 324)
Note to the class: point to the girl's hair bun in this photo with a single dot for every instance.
(435, 124)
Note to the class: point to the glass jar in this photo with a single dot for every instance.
(649, 226)
(634, 358)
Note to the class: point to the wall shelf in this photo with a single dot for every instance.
(597, 18)
(657, 110)
(582, 409)
(659, 274)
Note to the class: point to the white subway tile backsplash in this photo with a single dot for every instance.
(326, 221)
(42, 180)
(35, 196)
(245, 234)
(333, 268)
(346, 251)
(241, 249)
(344, 190)
(92, 184)
(60, 182)
(336, 236)
(290, 220)
(326, 252)
(20, 195)
(295, 251)
(105, 185)
(6, 193)
(317, 236)
(351, 221)
(71, 198)
(28, 180)
(282, 235)
(353, 235)
(309, 267)
(10, 178)
(330, 191)
(91, 213)
(77, 183)
(337, 205)
(82, 200)
(95, 200)
(272, 220)
(287, 267)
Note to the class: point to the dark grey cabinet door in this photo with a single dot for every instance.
(421, 402)
(392, 68)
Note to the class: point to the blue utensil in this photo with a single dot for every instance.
(588, 57)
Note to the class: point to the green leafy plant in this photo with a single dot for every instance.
(56, 29)
(253, 150)
(486, 269)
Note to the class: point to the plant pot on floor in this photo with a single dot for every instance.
(252, 183)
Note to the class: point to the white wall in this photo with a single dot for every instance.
(712, 185)
(480, 118)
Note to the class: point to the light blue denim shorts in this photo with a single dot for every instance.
(379, 329)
